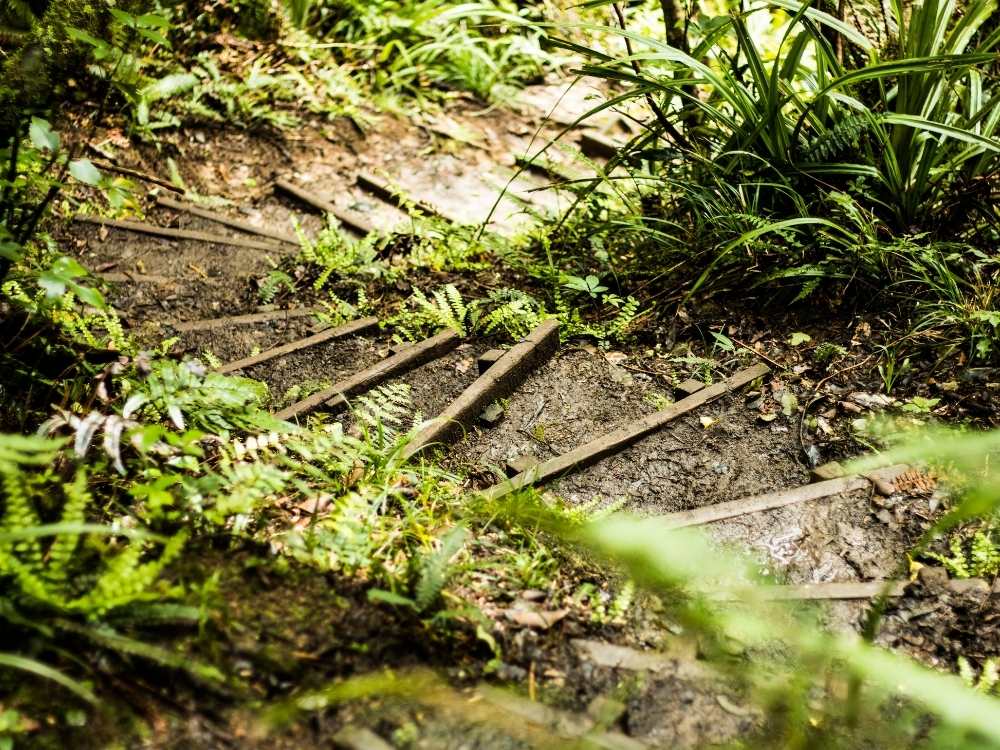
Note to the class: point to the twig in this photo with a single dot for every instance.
(139, 176)
(661, 117)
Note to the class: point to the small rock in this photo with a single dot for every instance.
(491, 414)
(622, 377)
(829, 470)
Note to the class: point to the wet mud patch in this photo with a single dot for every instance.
(297, 375)
(688, 465)
(149, 307)
(837, 538)
(436, 384)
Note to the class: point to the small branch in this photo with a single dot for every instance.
(661, 116)
(139, 176)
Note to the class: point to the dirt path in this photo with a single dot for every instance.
(653, 689)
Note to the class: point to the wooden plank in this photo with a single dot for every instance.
(354, 326)
(242, 226)
(592, 452)
(594, 144)
(382, 189)
(498, 381)
(350, 219)
(179, 234)
(209, 324)
(129, 172)
(769, 501)
(123, 277)
(551, 170)
(813, 591)
(486, 360)
(405, 360)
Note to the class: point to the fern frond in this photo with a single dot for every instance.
(435, 568)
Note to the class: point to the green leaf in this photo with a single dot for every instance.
(42, 135)
(39, 669)
(10, 250)
(85, 172)
(388, 597)
(798, 338)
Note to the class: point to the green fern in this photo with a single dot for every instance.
(422, 315)
(385, 412)
(435, 568)
(511, 311)
(47, 566)
(975, 557)
(842, 138)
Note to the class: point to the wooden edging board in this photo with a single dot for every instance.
(814, 591)
(594, 144)
(123, 277)
(354, 326)
(606, 445)
(209, 324)
(382, 189)
(403, 361)
(351, 219)
(179, 234)
(781, 498)
(500, 380)
(218, 218)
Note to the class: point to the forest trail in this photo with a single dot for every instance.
(720, 456)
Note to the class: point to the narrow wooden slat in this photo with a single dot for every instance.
(769, 501)
(179, 234)
(354, 326)
(242, 226)
(815, 591)
(129, 172)
(594, 144)
(209, 324)
(405, 360)
(121, 277)
(351, 219)
(592, 452)
(382, 189)
(498, 381)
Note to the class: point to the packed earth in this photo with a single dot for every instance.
(411, 374)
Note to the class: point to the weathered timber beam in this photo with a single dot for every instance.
(354, 326)
(209, 324)
(592, 452)
(350, 219)
(594, 144)
(382, 189)
(781, 498)
(814, 591)
(179, 234)
(498, 381)
(403, 361)
(218, 218)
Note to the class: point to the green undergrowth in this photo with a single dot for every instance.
(804, 159)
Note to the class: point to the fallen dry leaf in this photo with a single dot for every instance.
(527, 618)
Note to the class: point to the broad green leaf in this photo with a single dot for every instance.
(85, 171)
(42, 135)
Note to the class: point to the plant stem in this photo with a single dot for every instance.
(661, 116)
